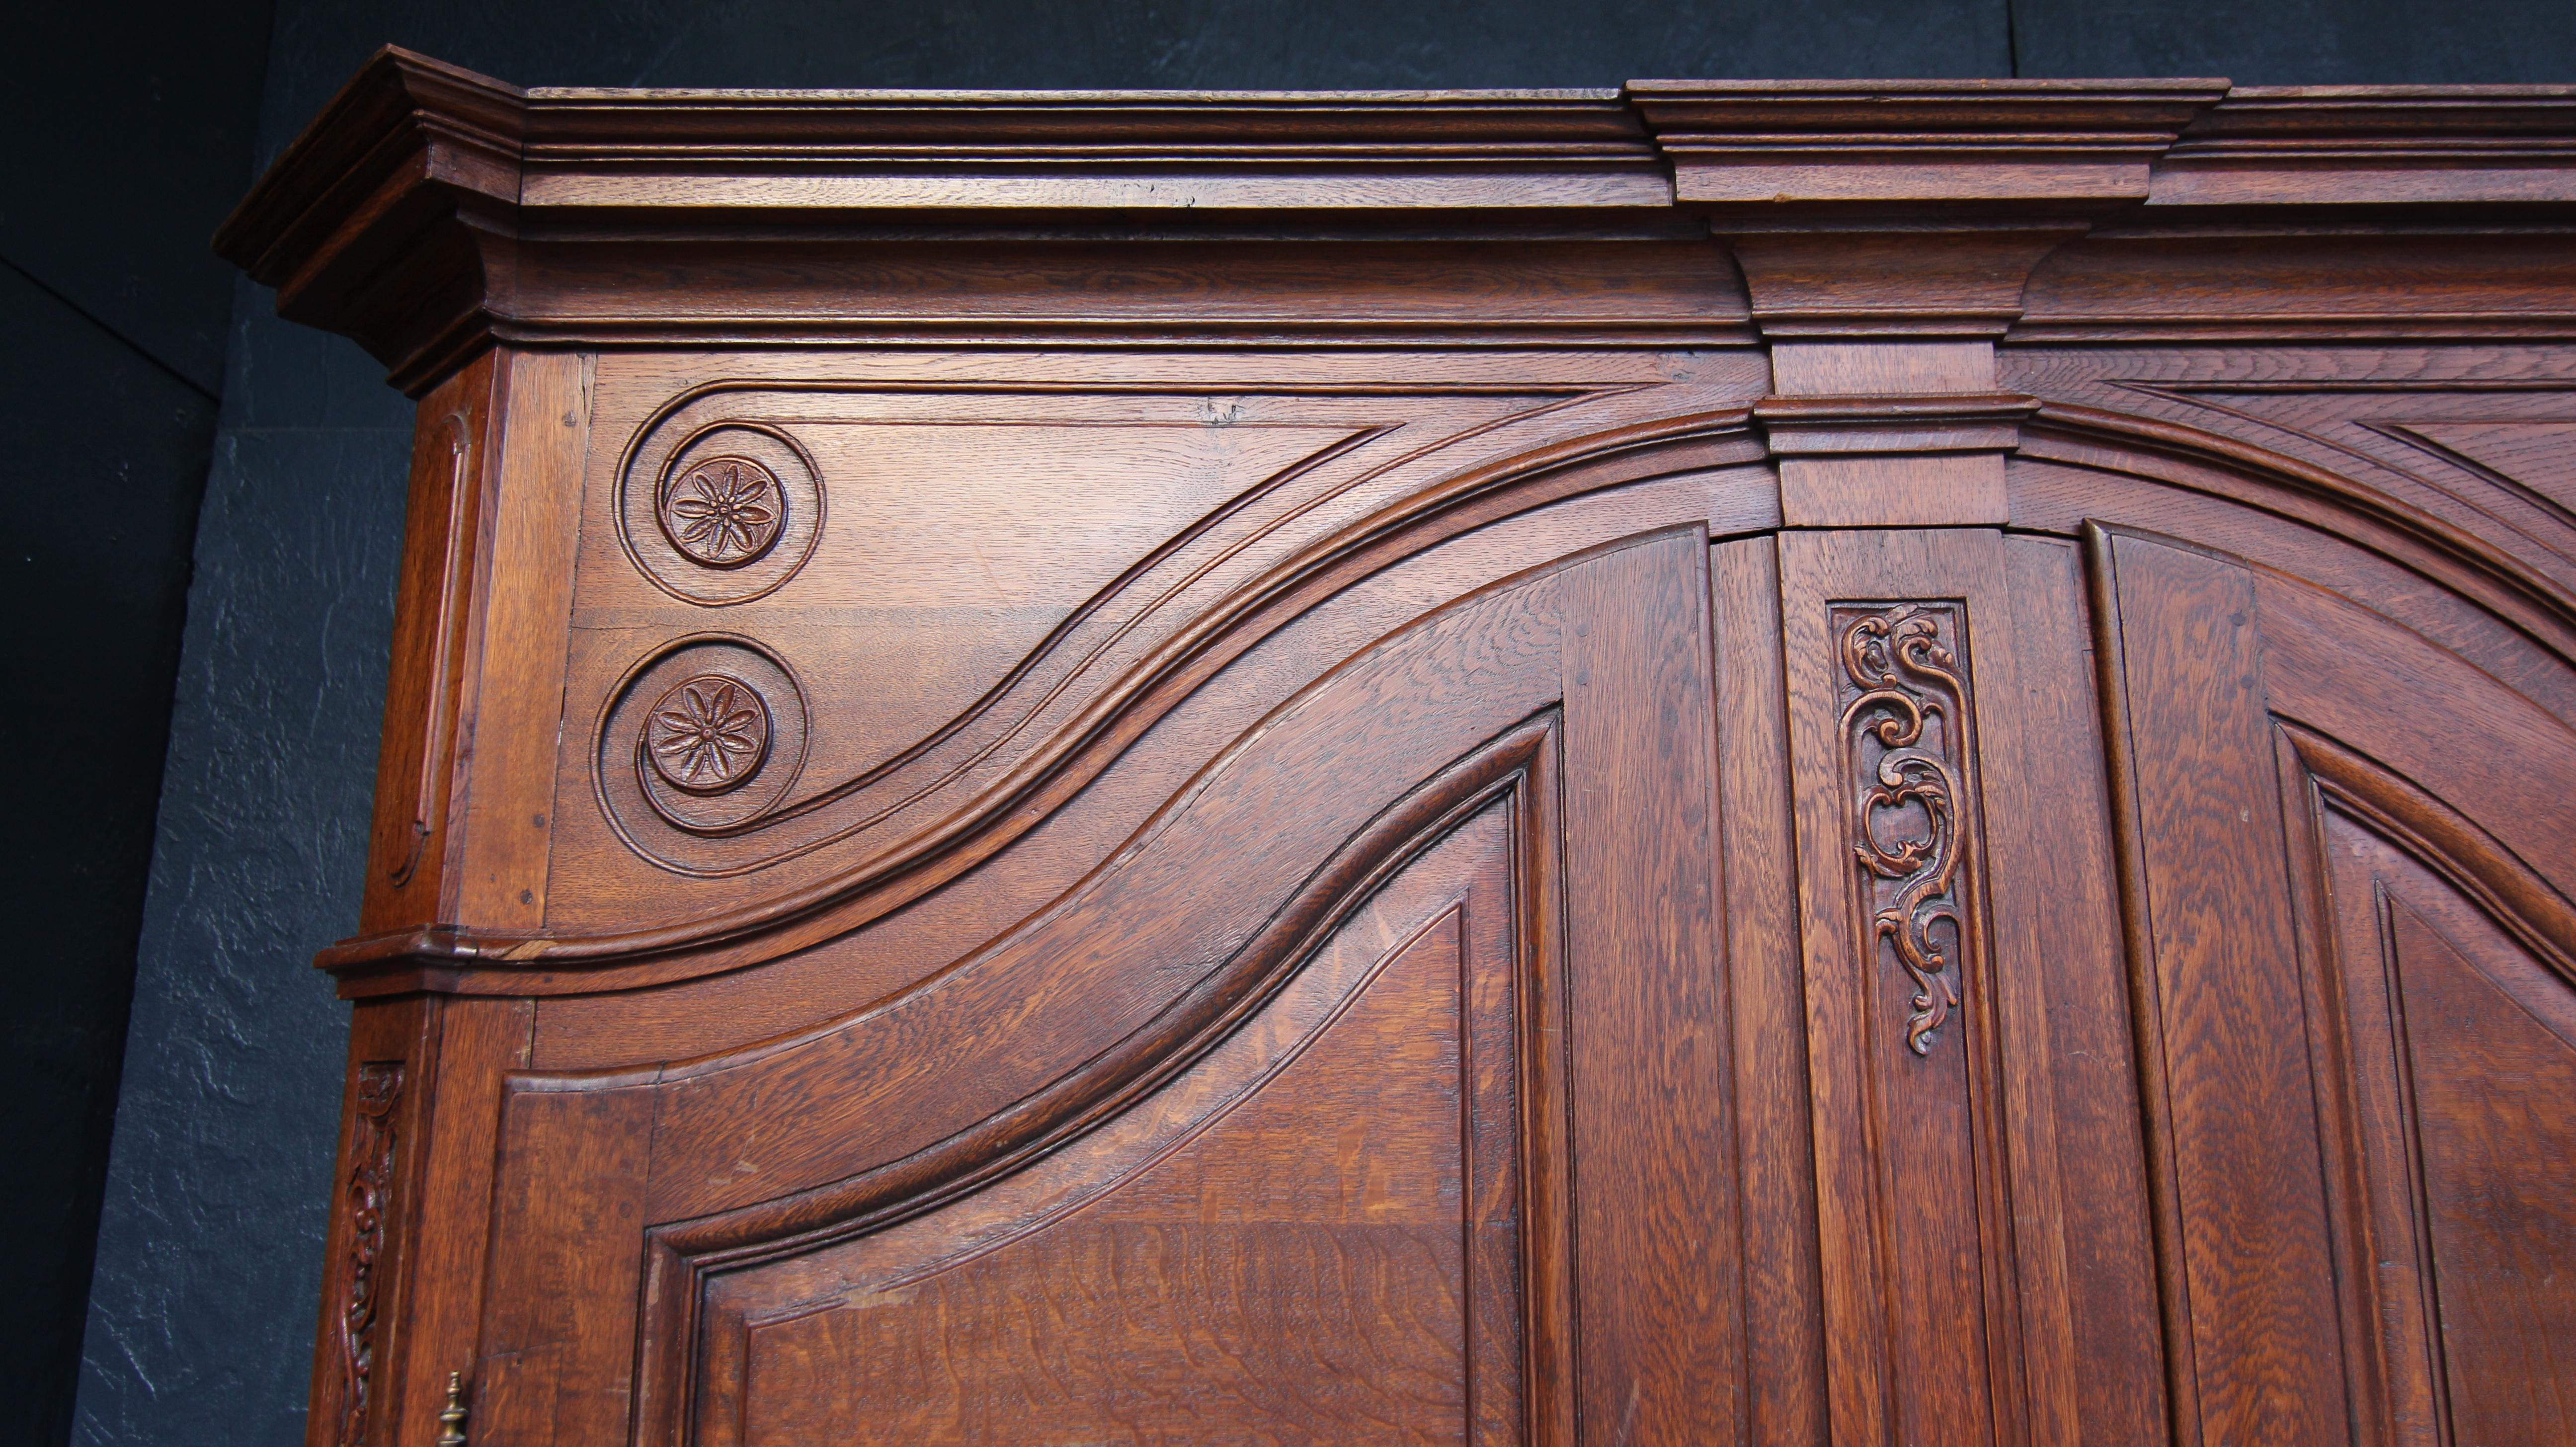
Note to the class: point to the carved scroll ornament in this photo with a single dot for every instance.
(1903, 724)
(370, 1183)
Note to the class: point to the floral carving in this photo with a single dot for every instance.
(724, 512)
(369, 1188)
(1903, 724)
(708, 734)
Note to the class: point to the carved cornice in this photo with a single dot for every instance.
(1917, 141)
(372, 222)
(429, 212)
(2365, 145)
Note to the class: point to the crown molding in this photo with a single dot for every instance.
(1767, 142)
(429, 212)
(1088, 149)
(2375, 145)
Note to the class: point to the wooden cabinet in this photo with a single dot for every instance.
(1766, 763)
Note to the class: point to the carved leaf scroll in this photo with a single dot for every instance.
(1905, 704)
(370, 1184)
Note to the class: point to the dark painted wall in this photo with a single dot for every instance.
(201, 1309)
(126, 144)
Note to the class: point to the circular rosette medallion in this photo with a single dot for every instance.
(708, 735)
(705, 736)
(724, 514)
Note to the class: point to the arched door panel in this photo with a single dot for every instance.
(1317, 1231)
(1445, 924)
(2350, 923)
(2455, 1146)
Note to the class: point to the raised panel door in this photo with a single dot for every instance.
(1376, 1090)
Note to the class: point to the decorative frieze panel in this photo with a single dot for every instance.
(819, 611)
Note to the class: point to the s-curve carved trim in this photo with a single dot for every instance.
(2179, 454)
(370, 1185)
(1904, 724)
(470, 961)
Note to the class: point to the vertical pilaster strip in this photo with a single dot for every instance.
(523, 629)
(1882, 634)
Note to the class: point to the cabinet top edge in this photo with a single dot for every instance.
(410, 212)
(1816, 141)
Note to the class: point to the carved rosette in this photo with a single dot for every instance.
(719, 513)
(368, 1190)
(1904, 729)
(723, 513)
(708, 734)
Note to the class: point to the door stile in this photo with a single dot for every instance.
(2243, 1212)
(2083, 1247)
(1659, 1354)
(1884, 633)
(1784, 1329)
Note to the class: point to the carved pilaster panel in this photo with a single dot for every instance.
(1922, 1294)
(365, 1202)
(1904, 694)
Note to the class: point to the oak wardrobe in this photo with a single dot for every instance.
(1767, 763)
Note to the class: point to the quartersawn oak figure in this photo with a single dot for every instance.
(1723, 762)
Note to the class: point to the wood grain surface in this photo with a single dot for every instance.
(1730, 762)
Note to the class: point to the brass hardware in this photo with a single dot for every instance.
(451, 1418)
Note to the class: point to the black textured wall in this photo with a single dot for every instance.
(200, 1313)
(126, 144)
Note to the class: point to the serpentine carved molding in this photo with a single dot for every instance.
(2162, 453)
(1030, 789)
(2532, 604)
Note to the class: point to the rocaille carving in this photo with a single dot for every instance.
(370, 1185)
(724, 512)
(1903, 724)
(708, 734)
